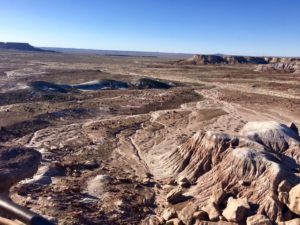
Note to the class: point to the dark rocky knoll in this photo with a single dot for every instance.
(143, 83)
(50, 87)
(17, 163)
(146, 83)
(19, 46)
(102, 84)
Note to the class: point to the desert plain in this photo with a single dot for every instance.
(115, 139)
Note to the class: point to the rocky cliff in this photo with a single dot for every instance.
(228, 59)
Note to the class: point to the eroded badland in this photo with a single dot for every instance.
(91, 139)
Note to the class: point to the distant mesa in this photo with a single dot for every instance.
(222, 59)
(20, 47)
(229, 59)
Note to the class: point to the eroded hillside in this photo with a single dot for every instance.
(116, 140)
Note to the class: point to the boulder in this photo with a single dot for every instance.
(184, 182)
(174, 221)
(175, 196)
(283, 197)
(236, 209)
(218, 195)
(152, 220)
(212, 210)
(214, 223)
(168, 214)
(200, 215)
(186, 214)
(294, 199)
(258, 220)
(295, 221)
(96, 186)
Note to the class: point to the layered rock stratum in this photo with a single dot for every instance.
(88, 139)
(278, 63)
(236, 177)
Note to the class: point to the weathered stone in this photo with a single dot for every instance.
(218, 195)
(184, 182)
(212, 210)
(152, 220)
(244, 183)
(236, 209)
(283, 197)
(222, 218)
(174, 221)
(295, 221)
(294, 128)
(200, 215)
(199, 222)
(284, 186)
(168, 214)
(175, 196)
(258, 220)
(186, 214)
(294, 199)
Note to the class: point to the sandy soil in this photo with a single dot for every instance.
(102, 149)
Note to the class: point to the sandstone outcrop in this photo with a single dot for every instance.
(175, 196)
(258, 220)
(200, 215)
(152, 220)
(168, 214)
(187, 213)
(212, 210)
(236, 210)
(291, 222)
(174, 221)
(294, 199)
(280, 67)
(265, 64)
(259, 165)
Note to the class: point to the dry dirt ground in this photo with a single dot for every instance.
(103, 151)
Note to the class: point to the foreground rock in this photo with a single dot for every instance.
(175, 196)
(200, 215)
(294, 199)
(236, 210)
(258, 220)
(152, 220)
(291, 222)
(259, 167)
(212, 210)
(17, 163)
(168, 214)
(174, 221)
(186, 214)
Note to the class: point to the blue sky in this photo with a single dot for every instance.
(244, 27)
